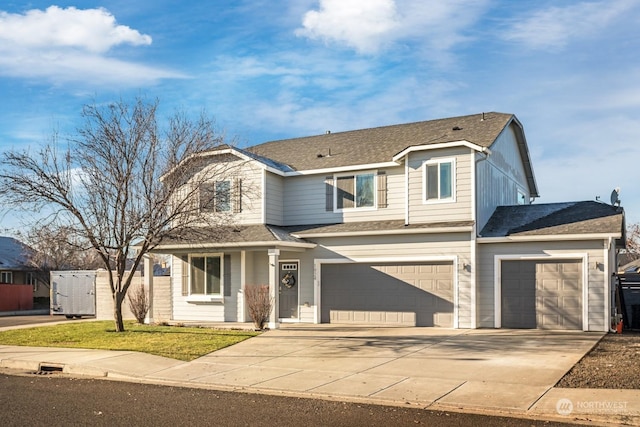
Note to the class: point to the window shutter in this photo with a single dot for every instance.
(382, 190)
(185, 275)
(237, 195)
(328, 188)
(226, 281)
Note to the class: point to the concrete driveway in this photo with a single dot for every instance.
(487, 369)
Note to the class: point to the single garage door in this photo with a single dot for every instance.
(419, 294)
(542, 294)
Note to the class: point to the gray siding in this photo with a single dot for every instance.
(499, 176)
(596, 278)
(458, 210)
(274, 199)
(398, 248)
(220, 311)
(304, 201)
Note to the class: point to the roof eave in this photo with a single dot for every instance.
(548, 237)
(462, 143)
(434, 230)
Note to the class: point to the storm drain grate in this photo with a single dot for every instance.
(46, 369)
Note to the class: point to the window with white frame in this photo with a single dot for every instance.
(439, 180)
(522, 197)
(206, 275)
(355, 191)
(6, 277)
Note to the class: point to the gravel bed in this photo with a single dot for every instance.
(613, 363)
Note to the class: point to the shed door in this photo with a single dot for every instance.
(541, 294)
(416, 294)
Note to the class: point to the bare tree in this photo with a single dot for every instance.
(55, 247)
(122, 184)
(633, 238)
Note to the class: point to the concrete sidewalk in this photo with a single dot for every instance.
(498, 371)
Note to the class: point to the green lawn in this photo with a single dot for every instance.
(182, 343)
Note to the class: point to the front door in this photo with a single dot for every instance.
(288, 290)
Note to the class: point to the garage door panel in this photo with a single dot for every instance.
(384, 293)
(542, 294)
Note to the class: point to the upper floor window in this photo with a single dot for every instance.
(355, 191)
(219, 196)
(6, 277)
(439, 180)
(522, 197)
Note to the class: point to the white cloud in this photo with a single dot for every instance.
(363, 25)
(70, 45)
(94, 30)
(556, 26)
(370, 26)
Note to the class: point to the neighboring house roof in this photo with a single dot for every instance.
(573, 218)
(226, 236)
(629, 263)
(14, 254)
(380, 144)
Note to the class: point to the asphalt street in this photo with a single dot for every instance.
(60, 400)
(30, 320)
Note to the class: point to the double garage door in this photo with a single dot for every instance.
(416, 294)
(541, 294)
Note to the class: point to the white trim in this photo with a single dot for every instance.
(341, 169)
(497, 274)
(406, 191)
(238, 245)
(473, 261)
(318, 262)
(439, 161)
(607, 284)
(297, 261)
(434, 230)
(549, 237)
(461, 143)
(207, 297)
(242, 316)
(263, 183)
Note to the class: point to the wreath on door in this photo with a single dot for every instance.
(289, 280)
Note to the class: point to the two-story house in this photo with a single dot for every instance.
(426, 224)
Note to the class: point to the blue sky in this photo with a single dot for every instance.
(271, 69)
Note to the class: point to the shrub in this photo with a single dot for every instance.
(139, 303)
(260, 304)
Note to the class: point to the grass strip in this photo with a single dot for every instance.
(181, 343)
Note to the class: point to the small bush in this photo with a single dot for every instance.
(139, 303)
(260, 304)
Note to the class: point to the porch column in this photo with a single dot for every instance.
(148, 284)
(274, 288)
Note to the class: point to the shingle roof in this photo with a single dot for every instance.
(228, 234)
(380, 144)
(571, 218)
(373, 226)
(13, 254)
